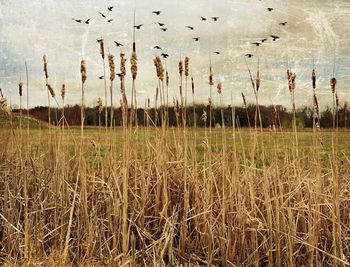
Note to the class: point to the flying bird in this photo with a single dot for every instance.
(196, 39)
(257, 44)
(190, 27)
(110, 20)
(99, 40)
(101, 77)
(77, 20)
(283, 23)
(157, 47)
(157, 12)
(119, 75)
(274, 37)
(117, 44)
(269, 9)
(87, 21)
(216, 52)
(164, 55)
(215, 18)
(161, 24)
(203, 18)
(102, 14)
(110, 8)
(264, 40)
(138, 26)
(164, 29)
(249, 55)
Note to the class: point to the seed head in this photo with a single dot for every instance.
(159, 68)
(313, 77)
(192, 85)
(20, 88)
(133, 62)
(83, 71)
(52, 92)
(122, 64)
(180, 67)
(333, 83)
(63, 91)
(219, 87)
(99, 104)
(45, 67)
(102, 49)
(257, 81)
(111, 67)
(187, 63)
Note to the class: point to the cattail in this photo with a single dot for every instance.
(291, 80)
(102, 49)
(63, 91)
(45, 67)
(83, 71)
(257, 81)
(148, 102)
(180, 67)
(204, 116)
(187, 61)
(316, 105)
(244, 101)
(133, 62)
(1, 94)
(209, 101)
(111, 67)
(3, 104)
(192, 85)
(159, 68)
(313, 77)
(157, 92)
(333, 83)
(20, 88)
(211, 82)
(122, 64)
(219, 87)
(52, 92)
(167, 78)
(99, 104)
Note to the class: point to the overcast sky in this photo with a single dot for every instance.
(316, 29)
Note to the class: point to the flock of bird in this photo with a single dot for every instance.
(163, 28)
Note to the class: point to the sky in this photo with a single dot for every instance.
(316, 31)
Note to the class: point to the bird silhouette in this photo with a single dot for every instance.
(264, 40)
(217, 52)
(103, 15)
(138, 26)
(117, 44)
(161, 24)
(157, 12)
(215, 18)
(249, 55)
(110, 8)
(99, 40)
(283, 23)
(190, 27)
(157, 47)
(120, 75)
(274, 37)
(164, 55)
(203, 18)
(164, 29)
(110, 20)
(257, 44)
(77, 20)
(101, 77)
(87, 21)
(269, 9)
(196, 39)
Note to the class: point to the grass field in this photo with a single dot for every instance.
(172, 196)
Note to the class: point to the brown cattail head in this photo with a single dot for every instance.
(99, 105)
(52, 92)
(192, 85)
(148, 102)
(102, 49)
(244, 101)
(333, 83)
(313, 77)
(83, 71)
(181, 67)
(20, 88)
(1, 94)
(211, 82)
(219, 87)
(316, 106)
(159, 68)
(45, 67)
(167, 78)
(122, 64)
(187, 64)
(3, 105)
(291, 80)
(157, 92)
(257, 81)
(111, 67)
(133, 62)
(337, 100)
(63, 91)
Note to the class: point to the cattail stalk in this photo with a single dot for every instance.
(211, 84)
(20, 91)
(83, 79)
(48, 93)
(122, 89)
(133, 62)
(181, 94)
(63, 94)
(111, 78)
(187, 72)
(27, 85)
(194, 106)
(219, 87)
(102, 53)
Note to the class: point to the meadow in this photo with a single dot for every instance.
(174, 196)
